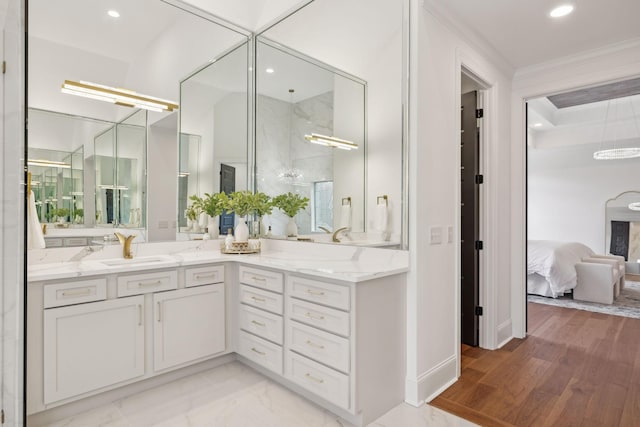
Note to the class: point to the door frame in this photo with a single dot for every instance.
(487, 95)
(552, 78)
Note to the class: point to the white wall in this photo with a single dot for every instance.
(567, 196)
(617, 62)
(437, 55)
(12, 250)
(162, 185)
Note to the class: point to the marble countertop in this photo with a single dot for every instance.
(350, 264)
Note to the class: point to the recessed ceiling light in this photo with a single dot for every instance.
(537, 125)
(270, 70)
(560, 11)
(113, 14)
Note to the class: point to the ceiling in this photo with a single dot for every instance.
(523, 33)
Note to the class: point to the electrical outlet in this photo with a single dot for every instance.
(450, 234)
(163, 225)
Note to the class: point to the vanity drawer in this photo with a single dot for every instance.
(264, 279)
(326, 318)
(261, 323)
(75, 241)
(320, 346)
(204, 275)
(62, 294)
(320, 292)
(136, 284)
(261, 299)
(260, 351)
(325, 382)
(53, 243)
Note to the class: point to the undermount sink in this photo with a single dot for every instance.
(135, 261)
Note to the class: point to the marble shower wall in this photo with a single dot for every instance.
(282, 150)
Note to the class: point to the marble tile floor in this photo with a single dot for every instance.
(234, 395)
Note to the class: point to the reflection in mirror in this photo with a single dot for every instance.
(363, 38)
(622, 228)
(296, 98)
(120, 174)
(149, 56)
(68, 140)
(213, 130)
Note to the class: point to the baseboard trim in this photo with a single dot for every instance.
(431, 383)
(505, 333)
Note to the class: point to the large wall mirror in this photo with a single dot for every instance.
(622, 228)
(150, 48)
(214, 129)
(297, 97)
(363, 40)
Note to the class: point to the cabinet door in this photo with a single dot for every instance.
(188, 324)
(90, 346)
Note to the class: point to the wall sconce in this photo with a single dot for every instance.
(331, 141)
(124, 97)
(48, 163)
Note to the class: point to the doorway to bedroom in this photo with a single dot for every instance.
(583, 198)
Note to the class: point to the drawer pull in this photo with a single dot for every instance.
(258, 279)
(261, 353)
(312, 344)
(144, 285)
(258, 299)
(311, 316)
(255, 322)
(312, 292)
(312, 378)
(77, 292)
(205, 276)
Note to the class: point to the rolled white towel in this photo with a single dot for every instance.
(382, 218)
(345, 216)
(35, 237)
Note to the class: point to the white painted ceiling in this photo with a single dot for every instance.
(523, 33)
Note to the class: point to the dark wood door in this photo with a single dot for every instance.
(470, 220)
(228, 186)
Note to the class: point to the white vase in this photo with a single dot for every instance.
(203, 219)
(195, 226)
(242, 231)
(292, 228)
(212, 227)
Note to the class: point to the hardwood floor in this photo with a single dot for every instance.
(575, 368)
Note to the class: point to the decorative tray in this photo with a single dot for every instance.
(252, 247)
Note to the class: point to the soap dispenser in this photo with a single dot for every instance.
(228, 240)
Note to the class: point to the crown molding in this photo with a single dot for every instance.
(632, 44)
(474, 39)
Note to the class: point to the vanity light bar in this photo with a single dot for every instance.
(113, 187)
(48, 163)
(635, 206)
(124, 97)
(331, 141)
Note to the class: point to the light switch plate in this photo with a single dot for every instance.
(435, 235)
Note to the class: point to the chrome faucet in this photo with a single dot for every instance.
(125, 241)
(325, 229)
(335, 234)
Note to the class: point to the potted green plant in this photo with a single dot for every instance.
(213, 205)
(61, 214)
(291, 204)
(241, 203)
(78, 216)
(262, 206)
(193, 212)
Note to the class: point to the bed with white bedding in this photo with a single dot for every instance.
(551, 264)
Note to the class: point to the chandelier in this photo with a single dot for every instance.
(617, 153)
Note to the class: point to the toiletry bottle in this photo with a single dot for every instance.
(228, 240)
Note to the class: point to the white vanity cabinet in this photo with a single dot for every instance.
(189, 324)
(260, 318)
(91, 346)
